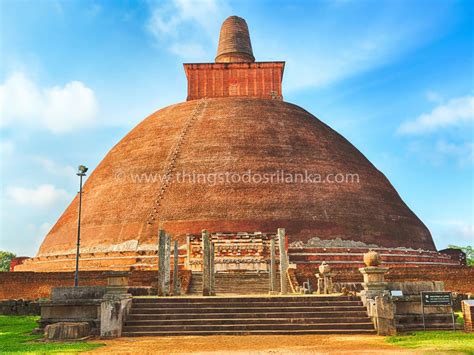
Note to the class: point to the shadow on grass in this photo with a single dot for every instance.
(436, 341)
(15, 337)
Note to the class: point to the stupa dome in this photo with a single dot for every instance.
(165, 172)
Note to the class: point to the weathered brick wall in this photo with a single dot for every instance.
(34, 285)
(455, 278)
(260, 80)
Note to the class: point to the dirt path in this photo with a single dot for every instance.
(261, 344)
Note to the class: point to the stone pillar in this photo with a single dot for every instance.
(175, 269)
(283, 261)
(167, 270)
(212, 271)
(206, 282)
(188, 253)
(273, 269)
(161, 262)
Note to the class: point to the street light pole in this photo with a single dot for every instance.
(81, 172)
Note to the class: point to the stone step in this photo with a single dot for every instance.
(161, 316)
(244, 299)
(235, 283)
(292, 315)
(247, 327)
(220, 321)
(216, 309)
(248, 332)
(218, 304)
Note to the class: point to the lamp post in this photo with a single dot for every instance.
(81, 172)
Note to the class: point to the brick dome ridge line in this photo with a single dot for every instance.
(173, 155)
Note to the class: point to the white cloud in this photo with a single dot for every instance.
(39, 230)
(44, 196)
(456, 112)
(185, 27)
(55, 169)
(6, 148)
(57, 109)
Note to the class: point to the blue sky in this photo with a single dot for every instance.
(394, 77)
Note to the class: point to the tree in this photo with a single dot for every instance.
(469, 253)
(5, 259)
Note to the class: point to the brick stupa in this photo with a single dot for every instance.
(234, 121)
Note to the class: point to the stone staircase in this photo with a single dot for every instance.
(230, 283)
(247, 315)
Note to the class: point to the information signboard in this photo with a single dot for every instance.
(436, 299)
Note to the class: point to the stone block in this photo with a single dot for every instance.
(80, 293)
(384, 315)
(67, 331)
(415, 287)
(113, 311)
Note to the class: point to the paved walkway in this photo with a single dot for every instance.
(261, 344)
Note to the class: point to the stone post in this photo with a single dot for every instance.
(273, 270)
(167, 270)
(283, 261)
(384, 315)
(206, 282)
(161, 262)
(212, 271)
(175, 269)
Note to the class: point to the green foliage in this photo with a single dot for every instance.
(15, 337)
(5, 259)
(436, 341)
(469, 253)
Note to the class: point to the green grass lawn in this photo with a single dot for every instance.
(15, 337)
(436, 341)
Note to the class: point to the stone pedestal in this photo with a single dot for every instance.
(374, 280)
(117, 281)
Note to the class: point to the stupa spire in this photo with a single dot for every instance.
(234, 42)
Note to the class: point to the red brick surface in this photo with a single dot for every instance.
(234, 135)
(260, 80)
(34, 285)
(31, 285)
(455, 278)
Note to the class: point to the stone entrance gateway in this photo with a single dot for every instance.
(236, 263)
